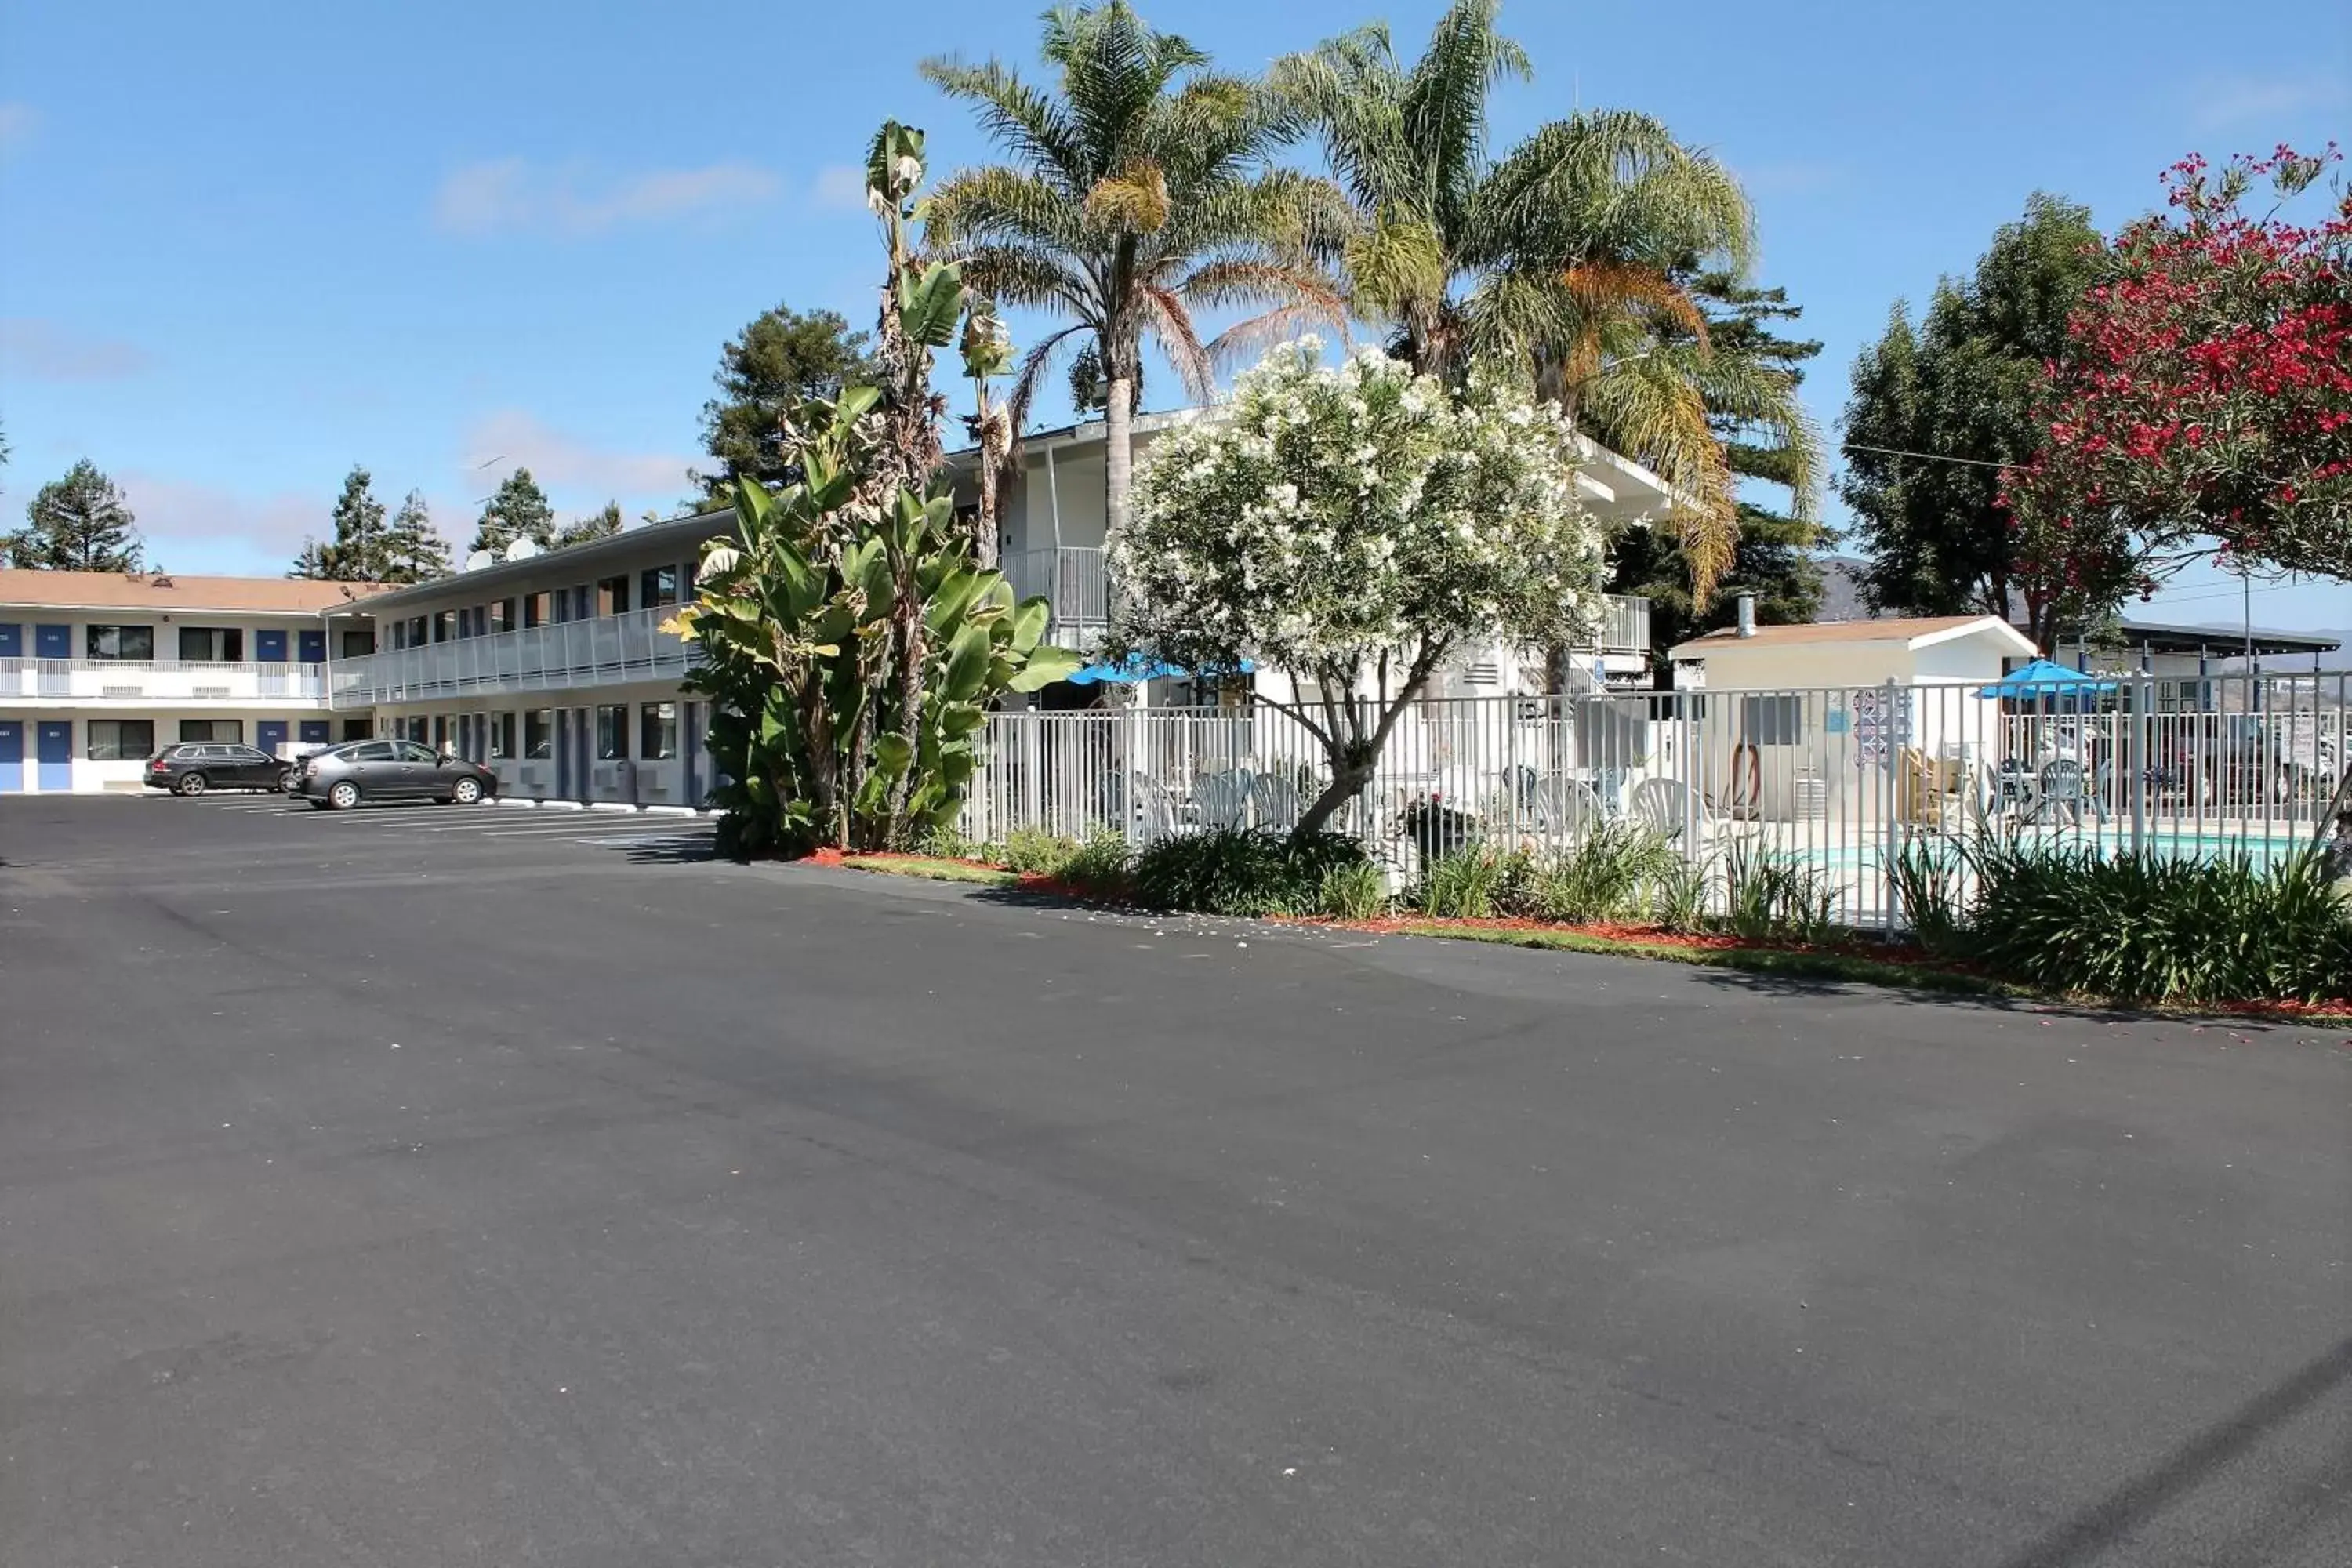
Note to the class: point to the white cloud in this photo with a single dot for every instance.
(510, 195)
(592, 475)
(1793, 178)
(40, 350)
(840, 187)
(2223, 101)
(204, 528)
(18, 121)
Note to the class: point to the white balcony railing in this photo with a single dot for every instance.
(149, 680)
(606, 650)
(1073, 580)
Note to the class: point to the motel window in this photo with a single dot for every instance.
(539, 732)
(212, 645)
(657, 732)
(121, 642)
(613, 596)
(613, 733)
(444, 625)
(440, 731)
(1771, 721)
(229, 730)
(502, 736)
(658, 586)
(502, 615)
(534, 609)
(121, 740)
(358, 645)
(356, 729)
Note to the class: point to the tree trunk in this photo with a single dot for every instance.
(1346, 783)
(983, 530)
(1119, 454)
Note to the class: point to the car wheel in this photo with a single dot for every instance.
(286, 782)
(344, 795)
(466, 792)
(191, 784)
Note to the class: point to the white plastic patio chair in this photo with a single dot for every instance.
(1156, 816)
(1566, 807)
(1221, 799)
(1666, 806)
(1277, 802)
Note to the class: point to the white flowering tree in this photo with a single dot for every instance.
(1352, 526)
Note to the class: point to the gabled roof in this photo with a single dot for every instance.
(1912, 632)
(162, 591)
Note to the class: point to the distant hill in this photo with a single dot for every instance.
(1841, 601)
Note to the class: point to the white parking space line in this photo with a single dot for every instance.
(582, 830)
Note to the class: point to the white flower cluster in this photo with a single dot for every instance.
(1338, 513)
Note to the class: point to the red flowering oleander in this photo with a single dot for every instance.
(2207, 391)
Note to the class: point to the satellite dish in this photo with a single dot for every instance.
(478, 559)
(522, 549)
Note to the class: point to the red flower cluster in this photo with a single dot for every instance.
(2207, 391)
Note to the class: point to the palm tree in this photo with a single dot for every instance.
(1139, 192)
(1557, 256)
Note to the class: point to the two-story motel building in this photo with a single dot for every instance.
(554, 672)
(99, 669)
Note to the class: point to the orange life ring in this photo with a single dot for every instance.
(1745, 802)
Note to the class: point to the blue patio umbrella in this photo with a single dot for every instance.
(1135, 670)
(2040, 680)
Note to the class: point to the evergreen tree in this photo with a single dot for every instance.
(1774, 559)
(356, 553)
(413, 551)
(784, 355)
(519, 510)
(77, 523)
(1938, 412)
(596, 525)
(311, 563)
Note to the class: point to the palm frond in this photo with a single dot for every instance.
(1643, 407)
(1444, 101)
(1608, 185)
(1171, 325)
(1033, 275)
(1034, 367)
(1027, 123)
(996, 202)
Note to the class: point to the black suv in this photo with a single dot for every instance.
(195, 767)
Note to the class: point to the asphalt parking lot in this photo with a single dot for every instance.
(439, 1186)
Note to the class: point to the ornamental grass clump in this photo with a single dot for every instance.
(2144, 928)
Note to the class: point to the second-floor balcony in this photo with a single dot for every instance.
(606, 650)
(1074, 582)
(148, 681)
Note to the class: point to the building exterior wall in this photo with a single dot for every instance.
(87, 696)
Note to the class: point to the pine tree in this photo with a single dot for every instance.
(413, 551)
(311, 563)
(356, 553)
(1775, 556)
(77, 523)
(519, 510)
(783, 356)
(596, 525)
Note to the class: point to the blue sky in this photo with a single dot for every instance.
(248, 246)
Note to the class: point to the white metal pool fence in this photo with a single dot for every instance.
(1838, 779)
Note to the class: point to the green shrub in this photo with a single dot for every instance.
(2146, 927)
(1929, 876)
(1679, 895)
(1353, 893)
(1607, 875)
(947, 843)
(1241, 871)
(1768, 894)
(1103, 867)
(1462, 886)
(1034, 852)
